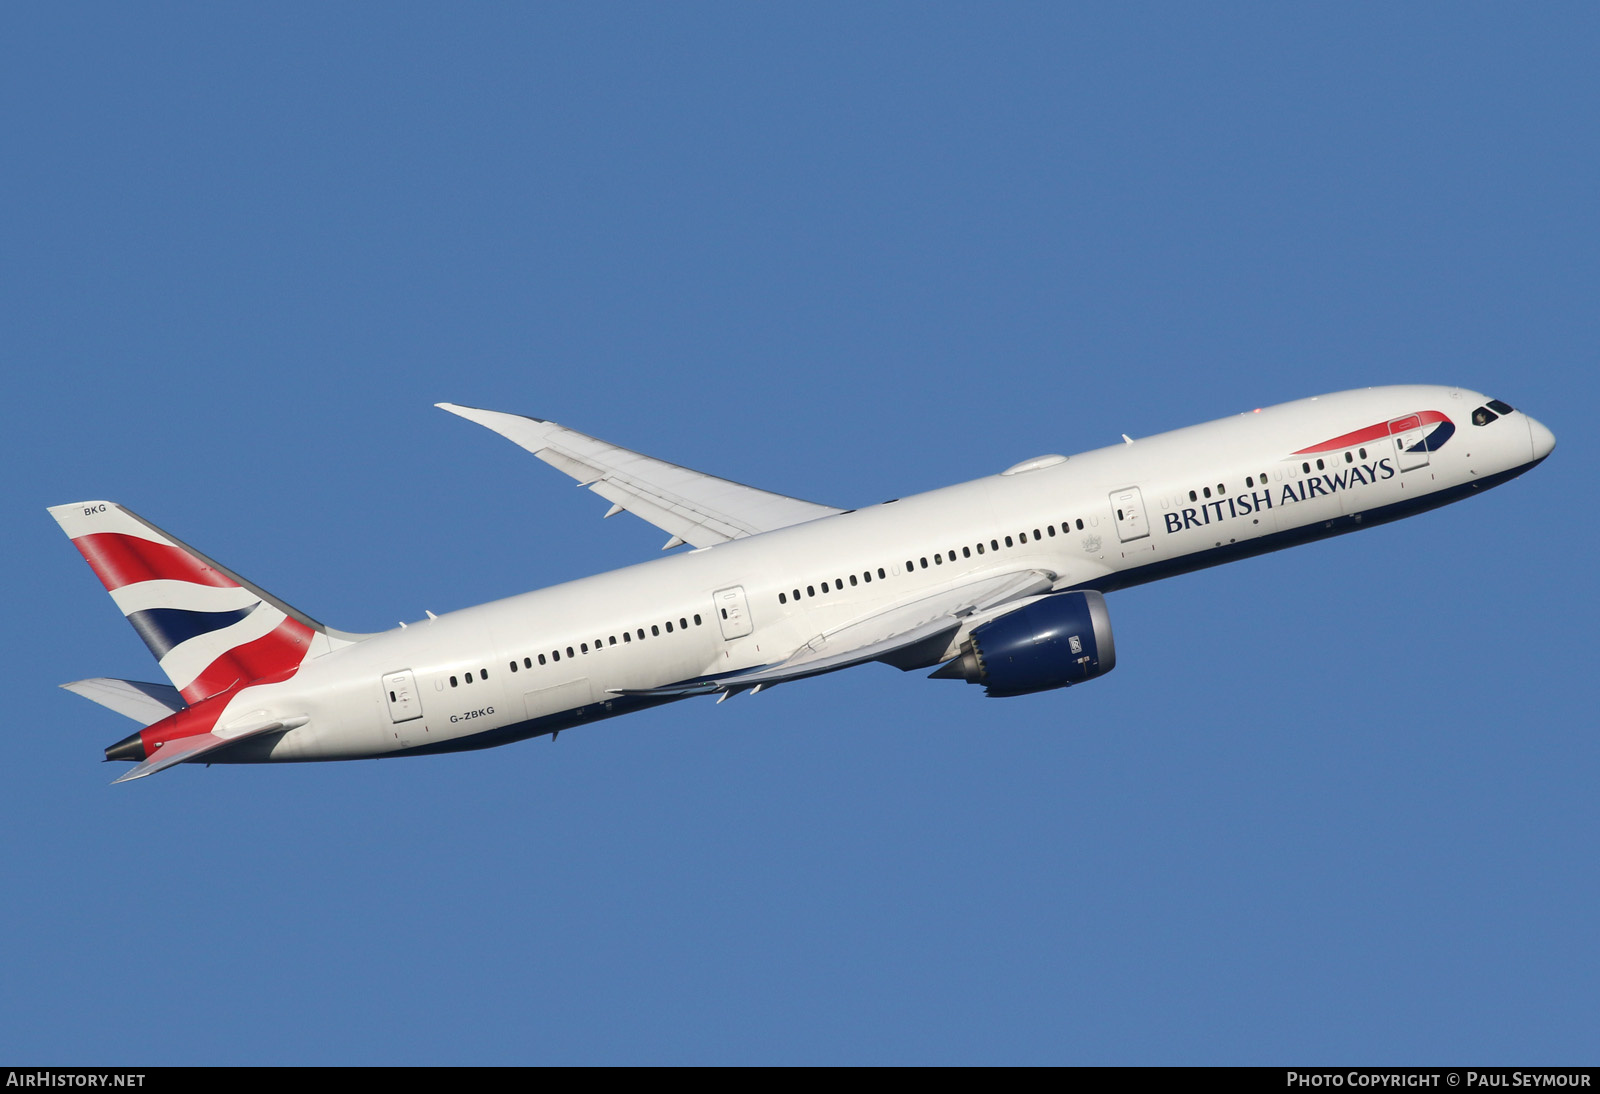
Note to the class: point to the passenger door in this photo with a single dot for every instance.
(1410, 450)
(400, 688)
(733, 612)
(1127, 506)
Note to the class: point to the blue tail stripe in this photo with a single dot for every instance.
(164, 628)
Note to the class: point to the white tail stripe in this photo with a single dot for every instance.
(185, 595)
(184, 662)
(86, 518)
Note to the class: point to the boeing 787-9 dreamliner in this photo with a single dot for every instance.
(999, 582)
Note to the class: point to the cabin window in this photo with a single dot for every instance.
(866, 575)
(513, 666)
(641, 634)
(612, 641)
(924, 564)
(910, 565)
(1022, 537)
(1249, 482)
(1051, 528)
(838, 583)
(683, 624)
(626, 637)
(570, 654)
(824, 593)
(980, 548)
(811, 590)
(796, 596)
(1305, 468)
(655, 631)
(1320, 465)
(541, 659)
(453, 681)
(1193, 496)
(782, 599)
(852, 580)
(1221, 489)
(527, 662)
(1349, 458)
(1008, 542)
(1363, 453)
(1206, 491)
(669, 626)
(584, 646)
(880, 571)
(697, 619)
(966, 552)
(1036, 535)
(468, 677)
(555, 655)
(938, 560)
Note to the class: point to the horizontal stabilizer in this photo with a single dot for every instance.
(145, 703)
(191, 748)
(691, 506)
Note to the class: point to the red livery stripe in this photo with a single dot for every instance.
(1370, 433)
(198, 719)
(119, 560)
(283, 648)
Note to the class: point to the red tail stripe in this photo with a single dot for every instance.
(1370, 433)
(284, 647)
(119, 560)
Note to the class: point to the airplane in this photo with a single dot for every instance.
(998, 582)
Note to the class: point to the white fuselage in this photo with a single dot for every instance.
(1105, 519)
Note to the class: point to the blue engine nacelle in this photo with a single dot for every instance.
(1052, 643)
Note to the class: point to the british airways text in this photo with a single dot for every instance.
(1243, 505)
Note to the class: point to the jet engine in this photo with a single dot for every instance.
(1052, 643)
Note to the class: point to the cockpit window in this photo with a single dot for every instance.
(1483, 416)
(1498, 407)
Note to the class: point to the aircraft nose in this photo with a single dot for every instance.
(1544, 441)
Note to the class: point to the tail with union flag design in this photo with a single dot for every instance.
(209, 628)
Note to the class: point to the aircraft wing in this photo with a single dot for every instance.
(910, 634)
(694, 507)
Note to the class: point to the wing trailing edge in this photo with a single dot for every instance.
(907, 636)
(691, 506)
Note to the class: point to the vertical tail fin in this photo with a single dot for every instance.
(209, 628)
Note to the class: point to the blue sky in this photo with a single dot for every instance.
(1336, 804)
